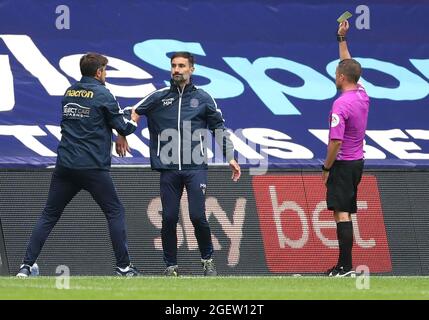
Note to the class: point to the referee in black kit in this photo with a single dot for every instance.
(90, 112)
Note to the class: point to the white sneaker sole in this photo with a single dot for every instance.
(22, 275)
(350, 274)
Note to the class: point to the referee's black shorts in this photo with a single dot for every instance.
(343, 181)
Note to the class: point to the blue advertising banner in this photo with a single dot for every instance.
(270, 65)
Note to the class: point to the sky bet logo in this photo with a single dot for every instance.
(274, 95)
(299, 233)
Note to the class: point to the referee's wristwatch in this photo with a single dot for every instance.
(341, 38)
(325, 169)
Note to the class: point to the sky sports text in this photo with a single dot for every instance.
(274, 95)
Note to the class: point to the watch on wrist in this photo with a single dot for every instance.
(341, 38)
(325, 169)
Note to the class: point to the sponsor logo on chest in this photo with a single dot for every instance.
(167, 102)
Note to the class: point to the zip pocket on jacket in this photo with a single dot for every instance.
(201, 144)
(159, 146)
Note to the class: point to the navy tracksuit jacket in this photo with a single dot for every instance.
(89, 113)
(178, 122)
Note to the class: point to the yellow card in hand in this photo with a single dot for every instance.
(344, 16)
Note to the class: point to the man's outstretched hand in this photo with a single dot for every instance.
(236, 171)
(134, 116)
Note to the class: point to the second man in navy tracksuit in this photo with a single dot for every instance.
(89, 113)
(178, 117)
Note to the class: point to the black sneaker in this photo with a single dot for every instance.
(171, 271)
(209, 267)
(340, 272)
(346, 273)
(24, 271)
(332, 272)
(129, 271)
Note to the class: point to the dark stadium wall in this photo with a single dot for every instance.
(4, 270)
(272, 224)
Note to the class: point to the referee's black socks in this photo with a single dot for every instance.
(345, 241)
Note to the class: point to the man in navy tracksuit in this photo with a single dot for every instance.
(178, 117)
(90, 112)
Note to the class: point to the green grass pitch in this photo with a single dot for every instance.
(220, 288)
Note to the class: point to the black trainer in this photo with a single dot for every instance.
(24, 271)
(340, 272)
(346, 273)
(209, 267)
(171, 271)
(332, 271)
(129, 271)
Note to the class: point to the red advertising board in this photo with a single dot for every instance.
(299, 233)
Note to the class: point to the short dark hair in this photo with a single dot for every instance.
(91, 62)
(184, 54)
(351, 69)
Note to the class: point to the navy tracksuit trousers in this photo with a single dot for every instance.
(172, 183)
(65, 184)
